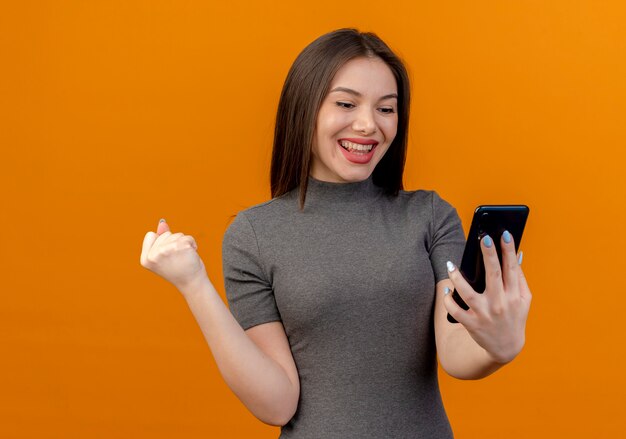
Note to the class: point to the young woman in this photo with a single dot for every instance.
(338, 286)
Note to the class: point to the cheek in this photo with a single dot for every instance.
(331, 124)
(390, 128)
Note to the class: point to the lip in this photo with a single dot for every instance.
(360, 141)
(360, 159)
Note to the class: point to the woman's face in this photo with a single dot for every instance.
(356, 123)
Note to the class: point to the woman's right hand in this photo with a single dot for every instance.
(174, 257)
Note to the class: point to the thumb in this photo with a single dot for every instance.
(162, 227)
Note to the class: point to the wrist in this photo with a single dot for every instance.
(195, 286)
(506, 355)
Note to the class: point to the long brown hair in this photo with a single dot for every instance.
(306, 86)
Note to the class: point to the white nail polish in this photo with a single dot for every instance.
(519, 259)
(450, 266)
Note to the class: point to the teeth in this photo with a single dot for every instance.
(356, 146)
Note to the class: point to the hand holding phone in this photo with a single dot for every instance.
(490, 220)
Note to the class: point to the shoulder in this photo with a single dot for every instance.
(420, 196)
(425, 196)
(425, 199)
(427, 207)
(247, 220)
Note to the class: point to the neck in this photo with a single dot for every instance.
(322, 193)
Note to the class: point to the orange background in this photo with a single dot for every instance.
(117, 113)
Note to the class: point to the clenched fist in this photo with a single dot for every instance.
(173, 256)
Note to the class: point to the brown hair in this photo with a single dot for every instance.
(306, 86)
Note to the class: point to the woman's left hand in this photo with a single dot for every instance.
(496, 319)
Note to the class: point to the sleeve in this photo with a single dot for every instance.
(447, 237)
(249, 293)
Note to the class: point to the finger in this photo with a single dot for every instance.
(493, 273)
(192, 241)
(464, 289)
(171, 237)
(510, 265)
(148, 241)
(459, 314)
(162, 227)
(161, 238)
(187, 242)
(523, 286)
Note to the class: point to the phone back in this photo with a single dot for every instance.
(490, 220)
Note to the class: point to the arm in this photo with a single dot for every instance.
(257, 364)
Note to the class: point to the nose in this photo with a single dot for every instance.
(364, 121)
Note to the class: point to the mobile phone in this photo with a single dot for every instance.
(490, 220)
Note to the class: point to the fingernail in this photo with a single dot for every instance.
(162, 220)
(507, 236)
(519, 259)
(487, 240)
(450, 266)
(446, 291)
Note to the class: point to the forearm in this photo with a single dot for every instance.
(461, 357)
(258, 381)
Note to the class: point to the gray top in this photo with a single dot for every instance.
(352, 279)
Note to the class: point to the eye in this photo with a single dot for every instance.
(387, 110)
(346, 105)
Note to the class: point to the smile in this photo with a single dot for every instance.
(356, 147)
(357, 153)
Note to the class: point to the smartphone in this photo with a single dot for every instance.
(493, 221)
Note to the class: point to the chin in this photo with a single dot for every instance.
(356, 175)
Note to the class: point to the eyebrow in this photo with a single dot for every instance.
(356, 93)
